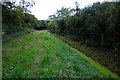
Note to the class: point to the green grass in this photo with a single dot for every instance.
(42, 55)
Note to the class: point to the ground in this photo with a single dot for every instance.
(42, 55)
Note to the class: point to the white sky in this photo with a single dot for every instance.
(43, 8)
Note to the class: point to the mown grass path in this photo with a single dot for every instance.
(42, 55)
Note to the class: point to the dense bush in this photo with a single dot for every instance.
(11, 19)
(96, 25)
(16, 18)
(41, 24)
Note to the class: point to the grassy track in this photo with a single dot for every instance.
(42, 55)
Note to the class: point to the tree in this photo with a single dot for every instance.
(25, 5)
(96, 25)
(15, 18)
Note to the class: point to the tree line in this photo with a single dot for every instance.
(96, 25)
(17, 17)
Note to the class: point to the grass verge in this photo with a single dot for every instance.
(42, 55)
(106, 58)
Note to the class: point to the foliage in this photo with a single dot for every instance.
(28, 20)
(15, 18)
(41, 24)
(11, 19)
(96, 25)
(8, 37)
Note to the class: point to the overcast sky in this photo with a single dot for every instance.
(43, 8)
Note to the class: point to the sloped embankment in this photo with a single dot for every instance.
(42, 55)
